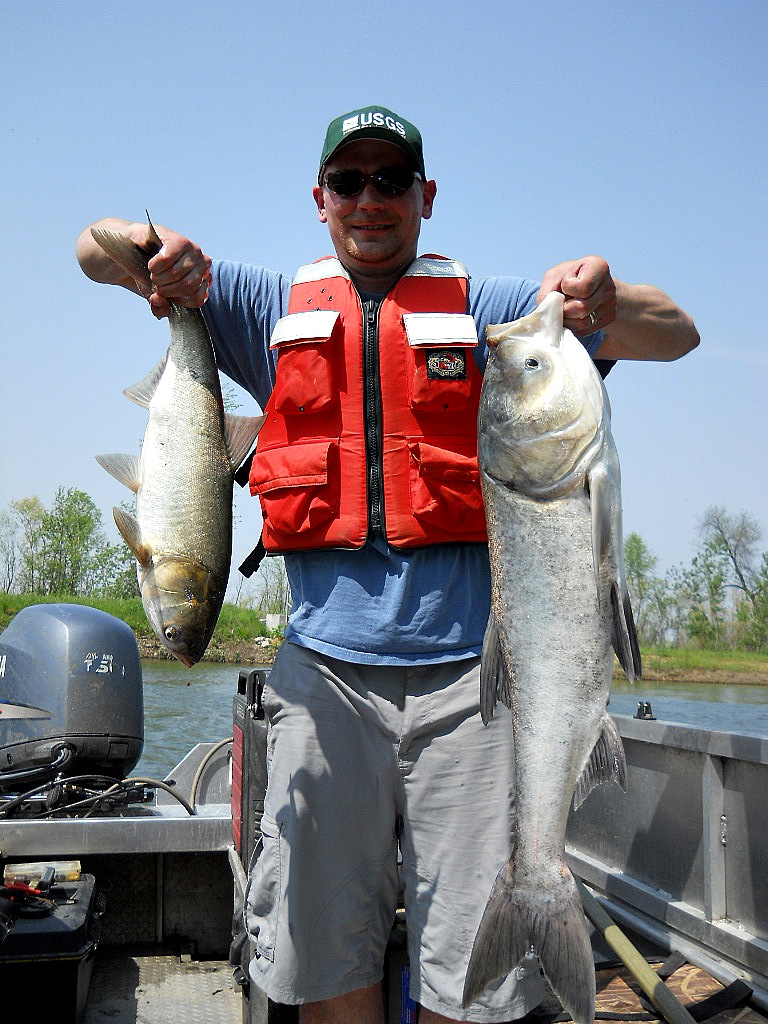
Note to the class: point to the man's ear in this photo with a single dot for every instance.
(319, 196)
(430, 191)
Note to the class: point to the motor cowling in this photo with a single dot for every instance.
(70, 682)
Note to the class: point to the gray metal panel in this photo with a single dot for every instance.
(745, 810)
(687, 737)
(131, 887)
(713, 831)
(648, 831)
(198, 896)
(161, 830)
(156, 898)
(686, 849)
(206, 768)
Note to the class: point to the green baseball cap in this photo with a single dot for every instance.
(373, 123)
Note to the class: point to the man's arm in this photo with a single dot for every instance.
(180, 271)
(648, 325)
(640, 321)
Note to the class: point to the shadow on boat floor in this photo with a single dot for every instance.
(128, 989)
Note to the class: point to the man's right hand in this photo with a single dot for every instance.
(180, 272)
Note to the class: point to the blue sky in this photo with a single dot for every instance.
(633, 130)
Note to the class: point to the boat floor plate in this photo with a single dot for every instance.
(129, 989)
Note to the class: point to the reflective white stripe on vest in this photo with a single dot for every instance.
(313, 325)
(428, 266)
(423, 266)
(439, 329)
(320, 271)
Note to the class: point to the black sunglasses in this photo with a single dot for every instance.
(389, 181)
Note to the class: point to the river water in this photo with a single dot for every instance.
(718, 706)
(183, 707)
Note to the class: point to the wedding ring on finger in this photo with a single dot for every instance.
(593, 319)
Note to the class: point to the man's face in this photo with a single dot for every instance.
(375, 236)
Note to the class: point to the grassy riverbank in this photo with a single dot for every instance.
(242, 638)
(670, 664)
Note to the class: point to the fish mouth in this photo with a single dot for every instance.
(185, 632)
(182, 599)
(519, 453)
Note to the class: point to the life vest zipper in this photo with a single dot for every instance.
(372, 415)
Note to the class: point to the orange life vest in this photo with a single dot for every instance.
(372, 423)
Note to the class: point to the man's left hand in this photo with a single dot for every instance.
(589, 290)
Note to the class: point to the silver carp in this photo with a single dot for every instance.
(181, 534)
(559, 609)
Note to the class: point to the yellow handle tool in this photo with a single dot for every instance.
(665, 1001)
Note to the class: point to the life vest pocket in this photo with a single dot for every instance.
(445, 484)
(440, 346)
(298, 486)
(305, 380)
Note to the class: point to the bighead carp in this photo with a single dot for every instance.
(559, 609)
(181, 534)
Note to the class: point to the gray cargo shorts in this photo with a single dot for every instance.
(357, 756)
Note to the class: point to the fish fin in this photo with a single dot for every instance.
(240, 434)
(155, 239)
(624, 634)
(494, 679)
(130, 531)
(607, 551)
(143, 391)
(606, 763)
(125, 468)
(517, 920)
(131, 257)
(600, 500)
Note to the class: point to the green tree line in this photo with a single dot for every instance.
(62, 550)
(719, 601)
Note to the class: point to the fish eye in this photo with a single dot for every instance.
(172, 632)
(531, 363)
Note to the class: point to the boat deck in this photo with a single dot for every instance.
(128, 989)
(619, 997)
(678, 866)
(619, 994)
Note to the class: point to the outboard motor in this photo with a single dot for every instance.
(71, 696)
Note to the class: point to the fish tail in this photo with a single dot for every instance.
(517, 920)
(131, 257)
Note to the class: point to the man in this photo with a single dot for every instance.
(366, 472)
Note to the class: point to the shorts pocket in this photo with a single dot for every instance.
(262, 895)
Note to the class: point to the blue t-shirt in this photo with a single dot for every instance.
(376, 605)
